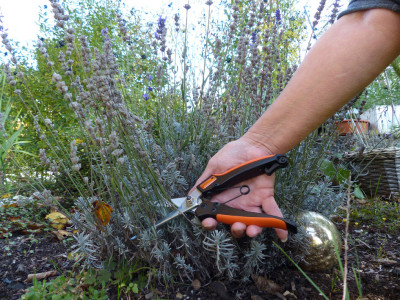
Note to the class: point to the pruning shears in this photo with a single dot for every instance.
(200, 199)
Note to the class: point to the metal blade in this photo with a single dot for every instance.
(178, 201)
(184, 207)
(184, 204)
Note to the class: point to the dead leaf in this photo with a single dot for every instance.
(40, 276)
(61, 234)
(287, 293)
(34, 226)
(75, 256)
(10, 205)
(266, 285)
(14, 219)
(196, 284)
(103, 212)
(179, 296)
(57, 220)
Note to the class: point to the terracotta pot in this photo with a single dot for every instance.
(349, 126)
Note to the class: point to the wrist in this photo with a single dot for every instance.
(261, 142)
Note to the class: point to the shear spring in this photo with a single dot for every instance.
(244, 190)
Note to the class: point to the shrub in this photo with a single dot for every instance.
(144, 132)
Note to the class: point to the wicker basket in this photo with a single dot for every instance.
(377, 171)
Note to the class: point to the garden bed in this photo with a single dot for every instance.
(374, 252)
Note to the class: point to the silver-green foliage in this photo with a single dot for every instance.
(141, 151)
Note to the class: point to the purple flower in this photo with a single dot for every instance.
(161, 31)
(253, 39)
(150, 89)
(104, 33)
(149, 77)
(146, 96)
(278, 16)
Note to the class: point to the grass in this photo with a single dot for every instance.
(383, 215)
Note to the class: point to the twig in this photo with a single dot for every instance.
(346, 246)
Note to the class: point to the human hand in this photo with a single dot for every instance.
(261, 187)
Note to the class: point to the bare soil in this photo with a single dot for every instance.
(374, 255)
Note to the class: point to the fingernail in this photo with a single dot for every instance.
(284, 240)
(207, 227)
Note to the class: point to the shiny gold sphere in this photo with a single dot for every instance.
(319, 238)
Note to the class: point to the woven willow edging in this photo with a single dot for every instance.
(377, 171)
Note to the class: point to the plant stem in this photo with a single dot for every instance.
(346, 246)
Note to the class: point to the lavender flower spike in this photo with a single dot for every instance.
(278, 16)
(160, 32)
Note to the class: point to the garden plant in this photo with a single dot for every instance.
(121, 116)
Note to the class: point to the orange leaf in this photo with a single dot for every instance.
(103, 212)
(10, 205)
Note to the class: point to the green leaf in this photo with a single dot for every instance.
(358, 193)
(7, 145)
(135, 288)
(327, 168)
(343, 175)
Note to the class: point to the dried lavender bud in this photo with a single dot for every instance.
(334, 12)
(74, 158)
(43, 157)
(187, 6)
(117, 152)
(48, 123)
(317, 15)
(176, 18)
(56, 77)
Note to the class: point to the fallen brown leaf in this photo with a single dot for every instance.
(266, 285)
(196, 284)
(61, 234)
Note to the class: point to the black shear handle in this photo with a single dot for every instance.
(216, 183)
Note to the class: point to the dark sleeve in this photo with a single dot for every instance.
(357, 5)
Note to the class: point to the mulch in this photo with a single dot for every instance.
(374, 253)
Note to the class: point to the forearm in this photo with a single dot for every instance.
(355, 50)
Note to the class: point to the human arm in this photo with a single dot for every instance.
(345, 59)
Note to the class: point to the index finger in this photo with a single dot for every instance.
(270, 207)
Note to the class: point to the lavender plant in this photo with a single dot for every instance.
(146, 133)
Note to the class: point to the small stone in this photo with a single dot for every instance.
(148, 296)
